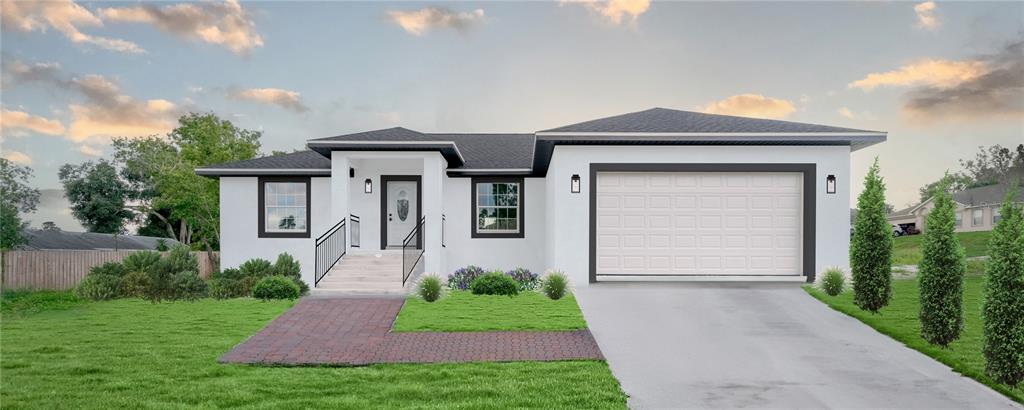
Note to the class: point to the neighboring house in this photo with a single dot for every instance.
(977, 209)
(640, 196)
(43, 240)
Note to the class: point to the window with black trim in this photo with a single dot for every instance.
(284, 207)
(497, 205)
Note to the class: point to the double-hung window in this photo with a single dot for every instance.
(497, 208)
(284, 207)
(977, 217)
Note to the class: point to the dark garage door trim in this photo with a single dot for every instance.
(809, 193)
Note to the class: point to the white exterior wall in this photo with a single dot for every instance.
(568, 217)
(239, 226)
(367, 206)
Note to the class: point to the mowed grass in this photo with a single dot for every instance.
(134, 354)
(900, 321)
(906, 250)
(462, 311)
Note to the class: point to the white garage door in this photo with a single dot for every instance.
(688, 223)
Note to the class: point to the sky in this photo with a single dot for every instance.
(941, 78)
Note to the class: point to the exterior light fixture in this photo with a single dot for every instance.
(351, 172)
(368, 186)
(830, 184)
(575, 185)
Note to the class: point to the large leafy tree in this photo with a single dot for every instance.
(16, 196)
(1003, 309)
(990, 165)
(162, 175)
(97, 196)
(871, 246)
(941, 276)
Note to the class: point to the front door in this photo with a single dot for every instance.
(401, 209)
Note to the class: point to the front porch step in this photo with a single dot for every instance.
(365, 272)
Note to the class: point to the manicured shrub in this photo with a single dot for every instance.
(256, 268)
(288, 267)
(555, 285)
(275, 287)
(527, 280)
(833, 281)
(98, 287)
(463, 277)
(429, 288)
(1004, 296)
(134, 284)
(871, 246)
(495, 283)
(114, 269)
(941, 274)
(141, 260)
(187, 285)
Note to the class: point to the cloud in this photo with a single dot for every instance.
(419, 22)
(751, 105)
(19, 120)
(17, 157)
(225, 24)
(286, 99)
(615, 11)
(16, 72)
(64, 16)
(845, 112)
(931, 72)
(926, 15)
(90, 151)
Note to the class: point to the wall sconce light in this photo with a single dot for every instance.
(830, 184)
(575, 185)
(368, 186)
(351, 172)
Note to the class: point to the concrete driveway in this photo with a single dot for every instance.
(729, 345)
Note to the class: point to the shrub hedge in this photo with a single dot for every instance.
(275, 287)
(495, 283)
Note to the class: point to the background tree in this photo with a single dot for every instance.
(50, 226)
(871, 246)
(16, 196)
(97, 196)
(1003, 308)
(991, 165)
(941, 274)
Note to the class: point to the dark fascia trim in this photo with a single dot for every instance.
(254, 172)
(384, 179)
(472, 207)
(448, 149)
(261, 206)
(809, 172)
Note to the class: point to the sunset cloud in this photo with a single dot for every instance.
(930, 72)
(19, 120)
(107, 113)
(226, 24)
(615, 11)
(286, 99)
(419, 22)
(17, 157)
(63, 16)
(751, 105)
(89, 151)
(926, 15)
(846, 113)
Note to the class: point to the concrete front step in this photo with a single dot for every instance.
(355, 292)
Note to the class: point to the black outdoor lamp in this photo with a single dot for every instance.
(830, 184)
(368, 186)
(575, 186)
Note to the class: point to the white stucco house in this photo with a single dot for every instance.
(647, 195)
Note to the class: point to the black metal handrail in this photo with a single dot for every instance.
(354, 232)
(415, 235)
(330, 247)
(442, 231)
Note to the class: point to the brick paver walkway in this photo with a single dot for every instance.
(357, 331)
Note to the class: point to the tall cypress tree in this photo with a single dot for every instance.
(871, 246)
(1003, 311)
(941, 273)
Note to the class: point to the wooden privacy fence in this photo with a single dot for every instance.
(60, 270)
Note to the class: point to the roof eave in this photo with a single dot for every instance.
(448, 149)
(241, 172)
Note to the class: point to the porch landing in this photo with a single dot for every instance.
(365, 272)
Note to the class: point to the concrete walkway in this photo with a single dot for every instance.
(709, 345)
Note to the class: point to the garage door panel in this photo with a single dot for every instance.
(698, 223)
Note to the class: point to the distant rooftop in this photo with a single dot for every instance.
(62, 240)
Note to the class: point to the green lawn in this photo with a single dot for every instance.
(899, 321)
(461, 311)
(907, 249)
(134, 354)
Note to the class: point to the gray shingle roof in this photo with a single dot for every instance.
(302, 160)
(479, 150)
(55, 240)
(985, 195)
(663, 120)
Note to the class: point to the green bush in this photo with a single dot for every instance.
(140, 261)
(288, 267)
(181, 259)
(160, 280)
(134, 284)
(871, 246)
(833, 281)
(940, 275)
(256, 268)
(224, 288)
(99, 287)
(429, 288)
(555, 285)
(187, 285)
(275, 287)
(495, 283)
(1004, 296)
(114, 269)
